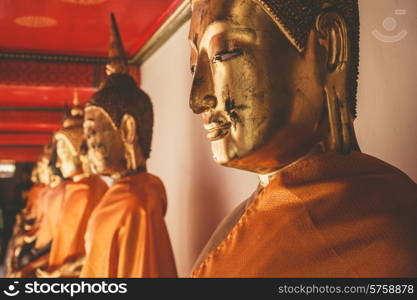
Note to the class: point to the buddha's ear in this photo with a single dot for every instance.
(332, 32)
(128, 129)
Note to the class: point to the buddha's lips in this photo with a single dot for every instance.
(216, 131)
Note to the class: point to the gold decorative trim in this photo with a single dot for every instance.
(53, 58)
(165, 31)
(35, 21)
(85, 2)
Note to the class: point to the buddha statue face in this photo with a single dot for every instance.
(261, 100)
(118, 123)
(44, 171)
(68, 160)
(84, 158)
(34, 176)
(104, 142)
(118, 118)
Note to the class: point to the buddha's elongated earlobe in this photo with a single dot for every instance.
(335, 139)
(332, 32)
(129, 138)
(342, 136)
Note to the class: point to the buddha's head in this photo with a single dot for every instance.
(44, 172)
(44, 168)
(274, 79)
(118, 119)
(85, 161)
(68, 142)
(34, 175)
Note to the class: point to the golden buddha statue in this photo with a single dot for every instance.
(31, 214)
(130, 218)
(30, 248)
(83, 191)
(26, 222)
(52, 198)
(275, 83)
(33, 210)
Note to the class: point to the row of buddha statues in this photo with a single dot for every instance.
(275, 82)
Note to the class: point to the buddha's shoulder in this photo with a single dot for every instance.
(377, 192)
(358, 180)
(132, 196)
(379, 187)
(374, 209)
(149, 180)
(149, 192)
(97, 182)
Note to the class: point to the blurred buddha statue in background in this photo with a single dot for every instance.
(275, 83)
(27, 221)
(33, 208)
(127, 235)
(83, 191)
(32, 212)
(31, 247)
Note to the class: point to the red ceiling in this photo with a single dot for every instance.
(74, 27)
(41, 96)
(34, 93)
(29, 116)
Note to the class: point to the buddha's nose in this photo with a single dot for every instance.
(202, 96)
(200, 105)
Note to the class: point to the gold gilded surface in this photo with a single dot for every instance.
(118, 127)
(69, 140)
(105, 146)
(35, 21)
(117, 55)
(117, 145)
(263, 103)
(46, 172)
(68, 157)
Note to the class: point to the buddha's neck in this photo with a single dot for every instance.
(79, 177)
(129, 172)
(265, 179)
(55, 181)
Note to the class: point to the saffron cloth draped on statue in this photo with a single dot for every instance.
(33, 208)
(80, 200)
(127, 235)
(328, 215)
(52, 199)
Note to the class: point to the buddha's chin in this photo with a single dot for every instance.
(224, 151)
(68, 170)
(99, 168)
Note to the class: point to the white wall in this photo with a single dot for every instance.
(200, 192)
(387, 112)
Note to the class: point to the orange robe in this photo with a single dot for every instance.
(328, 215)
(33, 208)
(79, 201)
(52, 199)
(127, 235)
